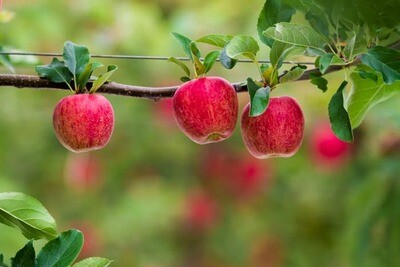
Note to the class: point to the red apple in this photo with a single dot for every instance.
(206, 109)
(278, 132)
(93, 242)
(200, 211)
(83, 122)
(326, 148)
(164, 114)
(83, 171)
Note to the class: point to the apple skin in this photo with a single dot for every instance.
(278, 132)
(83, 122)
(206, 109)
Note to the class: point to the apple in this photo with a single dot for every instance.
(83, 172)
(83, 122)
(206, 109)
(326, 148)
(200, 211)
(93, 242)
(164, 114)
(278, 132)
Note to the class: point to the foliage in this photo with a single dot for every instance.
(75, 67)
(34, 221)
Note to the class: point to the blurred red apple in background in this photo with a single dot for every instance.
(233, 173)
(164, 114)
(93, 243)
(327, 150)
(206, 109)
(200, 211)
(82, 171)
(278, 132)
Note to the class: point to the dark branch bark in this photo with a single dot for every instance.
(35, 82)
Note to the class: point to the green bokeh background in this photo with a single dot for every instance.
(302, 215)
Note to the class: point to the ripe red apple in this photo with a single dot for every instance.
(206, 109)
(326, 148)
(83, 122)
(278, 132)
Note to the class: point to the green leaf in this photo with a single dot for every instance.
(259, 98)
(339, 117)
(2, 264)
(218, 40)
(242, 45)
(103, 78)
(318, 21)
(365, 94)
(93, 262)
(319, 81)
(372, 75)
(210, 60)
(356, 45)
(280, 51)
(180, 64)
(87, 73)
(25, 257)
(6, 61)
(56, 72)
(226, 61)
(384, 60)
(186, 44)
(26, 213)
(61, 251)
(296, 34)
(76, 58)
(185, 79)
(293, 75)
(327, 60)
(273, 11)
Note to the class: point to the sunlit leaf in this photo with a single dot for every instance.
(273, 11)
(93, 262)
(297, 35)
(103, 78)
(365, 94)
(218, 40)
(26, 213)
(186, 44)
(242, 45)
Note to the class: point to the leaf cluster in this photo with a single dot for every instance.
(337, 34)
(75, 70)
(35, 222)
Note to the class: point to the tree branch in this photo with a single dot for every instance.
(35, 82)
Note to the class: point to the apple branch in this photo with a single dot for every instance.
(35, 82)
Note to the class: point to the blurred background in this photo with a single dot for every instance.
(154, 198)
